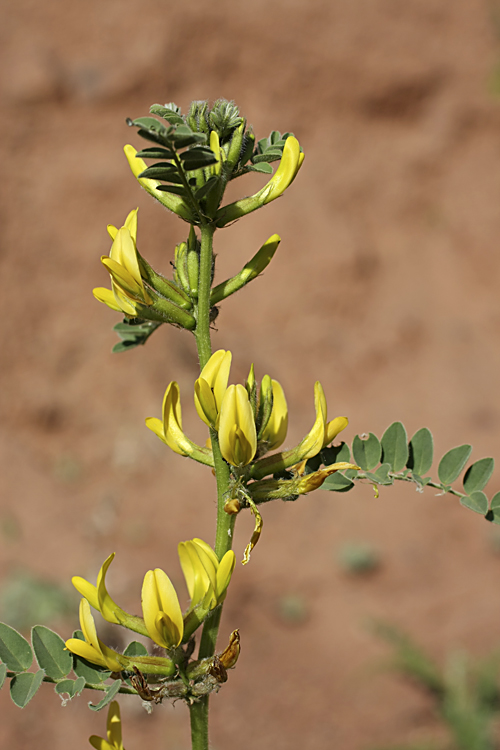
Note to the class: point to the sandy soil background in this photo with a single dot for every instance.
(385, 288)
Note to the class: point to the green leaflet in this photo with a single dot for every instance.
(24, 686)
(452, 463)
(50, 652)
(478, 475)
(15, 651)
(366, 453)
(421, 452)
(476, 501)
(395, 446)
(108, 696)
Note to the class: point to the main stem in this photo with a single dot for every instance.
(225, 523)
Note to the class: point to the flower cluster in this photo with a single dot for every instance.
(207, 580)
(249, 422)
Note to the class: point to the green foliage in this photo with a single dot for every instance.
(50, 652)
(24, 686)
(108, 696)
(393, 458)
(55, 663)
(133, 332)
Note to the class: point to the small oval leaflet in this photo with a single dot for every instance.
(367, 452)
(421, 452)
(476, 501)
(452, 463)
(24, 686)
(15, 651)
(50, 652)
(478, 475)
(108, 696)
(395, 447)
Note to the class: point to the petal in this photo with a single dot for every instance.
(87, 625)
(334, 427)
(220, 384)
(156, 426)
(227, 421)
(87, 590)
(131, 224)
(208, 549)
(224, 573)
(114, 725)
(106, 604)
(313, 441)
(172, 422)
(204, 401)
(107, 297)
(151, 607)
(127, 305)
(123, 278)
(99, 743)
(85, 651)
(277, 426)
(287, 170)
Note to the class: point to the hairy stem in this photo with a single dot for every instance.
(199, 711)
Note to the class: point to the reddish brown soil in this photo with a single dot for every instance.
(385, 288)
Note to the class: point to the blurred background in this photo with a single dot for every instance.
(385, 288)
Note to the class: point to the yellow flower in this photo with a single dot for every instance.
(92, 648)
(211, 386)
(128, 292)
(170, 432)
(274, 433)
(290, 163)
(114, 731)
(207, 579)
(332, 428)
(98, 596)
(161, 609)
(237, 434)
(173, 202)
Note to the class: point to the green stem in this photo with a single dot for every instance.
(202, 332)
(199, 711)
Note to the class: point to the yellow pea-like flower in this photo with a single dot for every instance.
(290, 163)
(127, 293)
(210, 387)
(207, 579)
(92, 648)
(113, 733)
(161, 609)
(237, 434)
(274, 433)
(98, 596)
